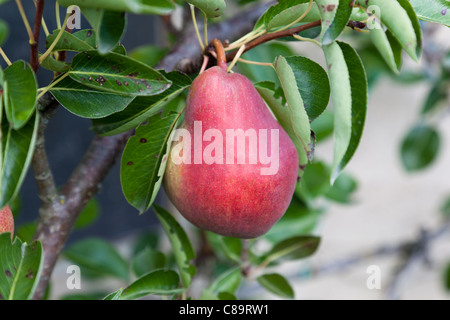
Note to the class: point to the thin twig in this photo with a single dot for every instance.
(276, 35)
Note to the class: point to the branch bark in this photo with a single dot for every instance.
(34, 55)
(60, 211)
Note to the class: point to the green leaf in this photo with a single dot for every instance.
(349, 95)
(86, 102)
(142, 108)
(146, 239)
(160, 282)
(17, 150)
(54, 65)
(114, 295)
(136, 6)
(148, 54)
(98, 256)
(20, 268)
(437, 11)
(148, 260)
(181, 246)
(211, 8)
(4, 32)
(400, 19)
(436, 97)
(287, 12)
(382, 42)
(228, 281)
(117, 74)
(298, 220)
(232, 248)
(335, 16)
(144, 160)
(277, 284)
(111, 29)
(89, 214)
(294, 119)
(20, 93)
(342, 189)
(84, 40)
(420, 147)
(25, 232)
(293, 249)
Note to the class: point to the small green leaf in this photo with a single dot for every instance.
(436, 97)
(142, 108)
(228, 281)
(144, 160)
(86, 102)
(420, 148)
(211, 8)
(437, 11)
(136, 6)
(114, 295)
(54, 65)
(17, 151)
(89, 214)
(4, 32)
(117, 74)
(349, 95)
(286, 12)
(381, 41)
(298, 220)
(232, 248)
(148, 260)
(20, 268)
(98, 256)
(181, 245)
(277, 284)
(84, 40)
(160, 282)
(400, 19)
(335, 16)
(111, 29)
(20, 93)
(293, 249)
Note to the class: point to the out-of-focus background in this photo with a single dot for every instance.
(389, 207)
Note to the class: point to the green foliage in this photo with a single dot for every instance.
(437, 11)
(99, 257)
(17, 151)
(4, 32)
(211, 8)
(349, 94)
(20, 268)
(420, 147)
(181, 245)
(20, 90)
(135, 6)
(277, 284)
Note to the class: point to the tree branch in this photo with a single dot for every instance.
(58, 216)
(275, 35)
(34, 56)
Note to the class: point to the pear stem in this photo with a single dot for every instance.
(221, 56)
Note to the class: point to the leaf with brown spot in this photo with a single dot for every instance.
(20, 268)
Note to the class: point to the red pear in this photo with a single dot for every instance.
(6, 220)
(232, 169)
